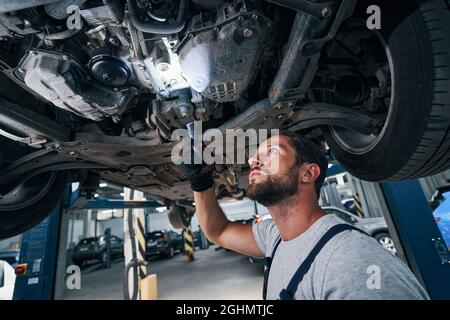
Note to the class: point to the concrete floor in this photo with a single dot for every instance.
(217, 275)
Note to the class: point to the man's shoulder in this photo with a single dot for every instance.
(350, 245)
(266, 234)
(356, 258)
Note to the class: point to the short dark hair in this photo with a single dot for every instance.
(309, 151)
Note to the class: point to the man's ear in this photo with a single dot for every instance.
(310, 172)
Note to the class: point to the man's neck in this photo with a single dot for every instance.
(293, 216)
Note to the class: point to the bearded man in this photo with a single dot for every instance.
(310, 254)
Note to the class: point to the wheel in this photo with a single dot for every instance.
(402, 74)
(386, 241)
(170, 254)
(104, 257)
(27, 204)
(78, 262)
(178, 216)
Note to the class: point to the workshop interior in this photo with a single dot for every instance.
(92, 93)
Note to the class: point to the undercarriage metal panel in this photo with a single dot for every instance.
(117, 152)
(21, 124)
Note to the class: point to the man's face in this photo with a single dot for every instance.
(274, 173)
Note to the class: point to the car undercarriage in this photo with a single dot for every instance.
(94, 90)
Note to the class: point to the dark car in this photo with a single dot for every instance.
(10, 256)
(349, 205)
(95, 249)
(375, 227)
(163, 243)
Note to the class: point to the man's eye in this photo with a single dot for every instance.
(272, 151)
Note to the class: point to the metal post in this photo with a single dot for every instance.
(108, 247)
(39, 253)
(62, 256)
(358, 205)
(135, 246)
(188, 243)
(416, 235)
(332, 194)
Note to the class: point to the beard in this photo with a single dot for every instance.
(275, 189)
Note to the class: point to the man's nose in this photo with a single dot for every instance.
(253, 162)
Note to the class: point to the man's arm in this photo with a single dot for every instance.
(231, 235)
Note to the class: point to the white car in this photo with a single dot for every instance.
(7, 281)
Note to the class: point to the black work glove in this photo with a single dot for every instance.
(199, 175)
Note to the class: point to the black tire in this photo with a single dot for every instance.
(78, 262)
(17, 218)
(169, 254)
(178, 216)
(416, 138)
(103, 257)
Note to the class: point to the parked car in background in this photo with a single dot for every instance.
(440, 203)
(7, 280)
(10, 256)
(163, 243)
(95, 249)
(349, 205)
(375, 227)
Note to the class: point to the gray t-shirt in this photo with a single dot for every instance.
(351, 265)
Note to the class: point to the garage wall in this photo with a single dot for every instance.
(116, 226)
(10, 244)
(429, 184)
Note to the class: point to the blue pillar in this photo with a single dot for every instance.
(39, 251)
(420, 238)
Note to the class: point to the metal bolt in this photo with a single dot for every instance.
(21, 70)
(216, 29)
(326, 12)
(65, 57)
(248, 32)
(255, 17)
(72, 153)
(190, 35)
(240, 18)
(34, 53)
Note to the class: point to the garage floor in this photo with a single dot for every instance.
(219, 275)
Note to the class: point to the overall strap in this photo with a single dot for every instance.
(289, 292)
(267, 265)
